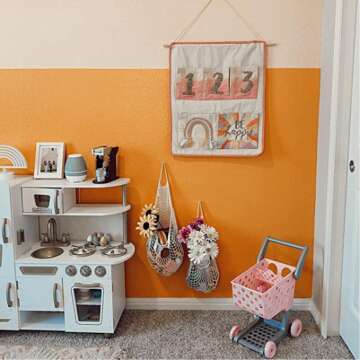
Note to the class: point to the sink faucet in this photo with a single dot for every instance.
(51, 231)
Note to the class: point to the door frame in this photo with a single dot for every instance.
(332, 160)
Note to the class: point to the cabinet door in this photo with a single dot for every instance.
(5, 208)
(40, 293)
(23, 230)
(8, 305)
(7, 262)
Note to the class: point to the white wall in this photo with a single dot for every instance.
(130, 33)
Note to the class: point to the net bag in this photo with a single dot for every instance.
(203, 277)
(164, 252)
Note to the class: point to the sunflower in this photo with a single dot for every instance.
(146, 225)
(151, 209)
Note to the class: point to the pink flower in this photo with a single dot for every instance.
(183, 234)
(196, 223)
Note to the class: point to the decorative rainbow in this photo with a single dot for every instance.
(206, 124)
(12, 154)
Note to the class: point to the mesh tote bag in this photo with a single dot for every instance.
(164, 252)
(204, 276)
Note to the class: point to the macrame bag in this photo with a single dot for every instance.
(164, 252)
(203, 277)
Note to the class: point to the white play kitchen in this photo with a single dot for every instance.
(61, 262)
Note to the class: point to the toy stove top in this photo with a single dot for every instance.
(89, 249)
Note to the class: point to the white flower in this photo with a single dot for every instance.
(210, 232)
(197, 254)
(196, 238)
(212, 250)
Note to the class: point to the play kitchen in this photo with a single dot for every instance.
(61, 262)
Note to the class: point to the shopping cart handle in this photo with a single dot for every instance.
(300, 264)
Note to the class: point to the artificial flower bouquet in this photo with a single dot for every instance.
(148, 221)
(201, 242)
(164, 253)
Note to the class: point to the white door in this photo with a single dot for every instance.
(350, 308)
(48, 284)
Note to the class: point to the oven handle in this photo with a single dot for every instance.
(56, 303)
(87, 286)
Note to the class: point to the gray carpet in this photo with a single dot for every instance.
(167, 335)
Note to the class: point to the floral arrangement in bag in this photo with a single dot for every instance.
(148, 223)
(200, 240)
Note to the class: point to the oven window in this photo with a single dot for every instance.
(42, 201)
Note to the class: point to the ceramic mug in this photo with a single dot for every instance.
(75, 168)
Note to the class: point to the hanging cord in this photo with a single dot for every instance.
(182, 34)
(200, 211)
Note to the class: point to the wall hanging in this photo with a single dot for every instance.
(217, 94)
(201, 241)
(158, 225)
(217, 98)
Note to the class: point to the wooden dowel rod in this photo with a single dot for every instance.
(168, 46)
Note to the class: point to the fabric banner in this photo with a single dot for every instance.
(217, 98)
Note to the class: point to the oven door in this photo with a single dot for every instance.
(41, 201)
(88, 305)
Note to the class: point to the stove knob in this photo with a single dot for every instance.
(100, 271)
(85, 270)
(70, 270)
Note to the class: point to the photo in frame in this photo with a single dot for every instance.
(49, 160)
(217, 98)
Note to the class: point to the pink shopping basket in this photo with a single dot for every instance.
(262, 292)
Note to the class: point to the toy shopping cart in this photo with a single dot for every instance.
(267, 293)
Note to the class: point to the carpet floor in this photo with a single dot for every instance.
(167, 335)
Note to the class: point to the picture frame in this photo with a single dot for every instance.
(49, 160)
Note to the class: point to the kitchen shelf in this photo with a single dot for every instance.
(42, 320)
(63, 183)
(90, 210)
(97, 210)
(91, 301)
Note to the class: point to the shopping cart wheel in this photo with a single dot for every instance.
(270, 349)
(234, 331)
(296, 328)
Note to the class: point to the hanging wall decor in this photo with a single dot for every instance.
(217, 98)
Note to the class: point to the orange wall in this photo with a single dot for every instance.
(244, 198)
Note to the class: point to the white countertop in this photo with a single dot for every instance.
(67, 259)
(63, 183)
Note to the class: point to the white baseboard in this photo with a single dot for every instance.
(197, 304)
(315, 313)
